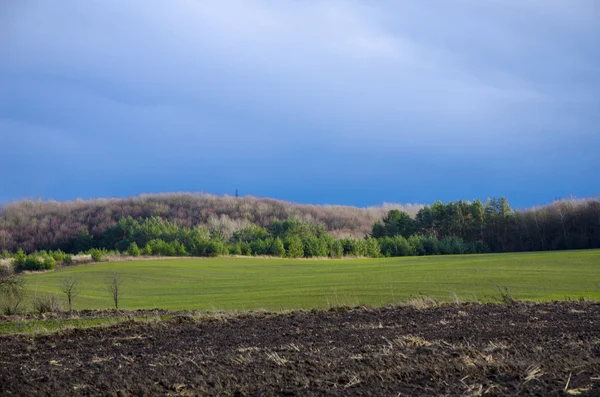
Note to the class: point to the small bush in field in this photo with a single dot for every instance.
(49, 263)
(96, 255)
(19, 260)
(58, 256)
(46, 304)
(33, 262)
(12, 292)
(133, 249)
(68, 259)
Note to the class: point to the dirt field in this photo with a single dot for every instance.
(471, 350)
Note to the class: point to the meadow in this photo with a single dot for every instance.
(235, 283)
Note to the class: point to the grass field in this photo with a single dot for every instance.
(229, 283)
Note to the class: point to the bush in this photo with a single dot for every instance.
(354, 247)
(259, 247)
(294, 247)
(372, 248)
(216, 248)
(418, 245)
(431, 245)
(49, 263)
(396, 246)
(46, 304)
(12, 292)
(58, 256)
(245, 248)
(133, 249)
(147, 250)
(68, 259)
(337, 249)
(277, 248)
(235, 249)
(33, 262)
(19, 260)
(96, 255)
(452, 245)
(4, 254)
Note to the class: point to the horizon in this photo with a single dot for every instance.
(241, 196)
(340, 103)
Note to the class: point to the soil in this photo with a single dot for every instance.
(455, 350)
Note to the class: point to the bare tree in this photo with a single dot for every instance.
(12, 292)
(70, 287)
(113, 286)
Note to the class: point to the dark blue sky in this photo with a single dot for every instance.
(350, 102)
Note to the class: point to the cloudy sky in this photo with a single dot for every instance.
(351, 102)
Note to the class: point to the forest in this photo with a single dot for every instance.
(461, 227)
(38, 224)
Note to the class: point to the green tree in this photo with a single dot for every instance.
(19, 260)
(277, 248)
(84, 242)
(96, 255)
(337, 249)
(48, 263)
(294, 247)
(133, 249)
(398, 223)
(372, 248)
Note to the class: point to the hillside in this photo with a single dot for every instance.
(29, 224)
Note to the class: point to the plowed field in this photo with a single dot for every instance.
(471, 349)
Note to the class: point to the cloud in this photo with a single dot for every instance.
(214, 83)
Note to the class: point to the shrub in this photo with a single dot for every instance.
(133, 249)
(46, 304)
(418, 245)
(396, 246)
(235, 249)
(58, 256)
(354, 247)
(259, 247)
(19, 260)
(216, 248)
(96, 255)
(179, 248)
(245, 248)
(33, 262)
(431, 245)
(4, 254)
(337, 249)
(68, 259)
(452, 245)
(48, 263)
(277, 248)
(147, 250)
(12, 292)
(372, 248)
(294, 247)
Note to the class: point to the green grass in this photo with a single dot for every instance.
(229, 283)
(40, 326)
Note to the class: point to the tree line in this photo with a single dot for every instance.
(460, 227)
(38, 224)
(494, 226)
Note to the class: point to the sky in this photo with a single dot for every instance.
(338, 102)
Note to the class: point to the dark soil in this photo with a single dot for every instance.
(457, 350)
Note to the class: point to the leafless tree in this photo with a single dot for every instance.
(70, 287)
(113, 286)
(12, 291)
